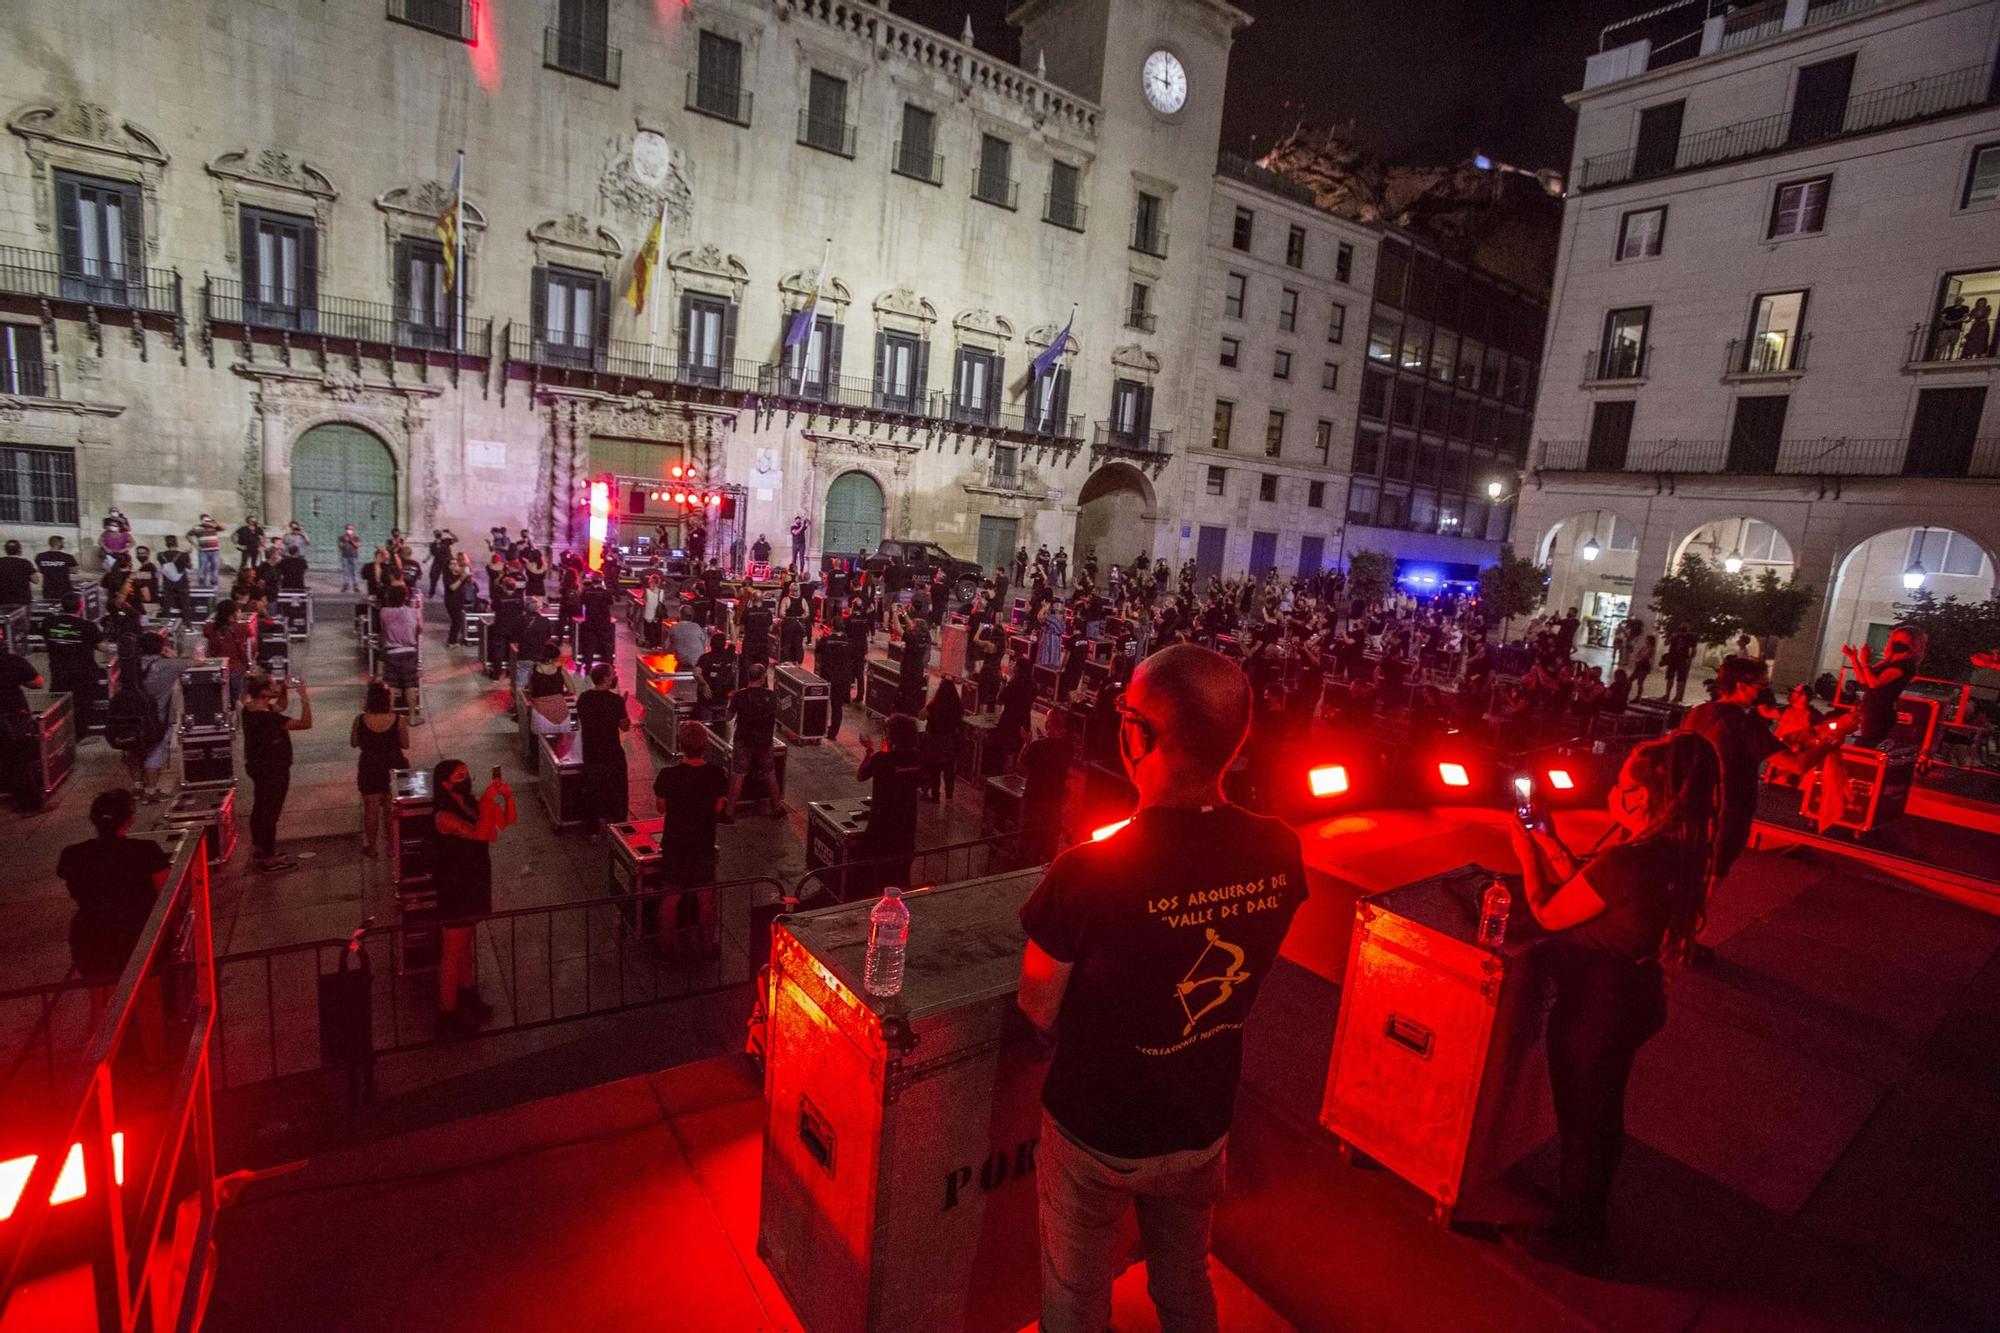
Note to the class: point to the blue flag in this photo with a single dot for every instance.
(1051, 354)
(802, 322)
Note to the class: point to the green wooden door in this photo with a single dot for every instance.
(853, 515)
(997, 539)
(341, 475)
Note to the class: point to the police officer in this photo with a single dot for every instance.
(72, 642)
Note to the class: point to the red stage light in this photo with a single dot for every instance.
(715, 499)
(1100, 834)
(680, 497)
(1454, 775)
(1560, 779)
(1330, 780)
(679, 471)
(69, 1184)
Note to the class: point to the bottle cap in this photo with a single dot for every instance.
(892, 892)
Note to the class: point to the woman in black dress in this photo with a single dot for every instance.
(944, 717)
(1621, 917)
(114, 880)
(383, 737)
(463, 832)
(897, 771)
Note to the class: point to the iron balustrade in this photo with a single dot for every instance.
(446, 18)
(1144, 320)
(332, 320)
(1251, 173)
(990, 187)
(1938, 341)
(1116, 439)
(573, 53)
(950, 864)
(1063, 210)
(1619, 362)
(719, 98)
(53, 277)
(1149, 240)
(1881, 108)
(1823, 457)
(918, 162)
(1766, 356)
(826, 134)
(1752, 23)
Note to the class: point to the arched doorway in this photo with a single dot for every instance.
(853, 523)
(1593, 560)
(1114, 515)
(342, 474)
(1889, 570)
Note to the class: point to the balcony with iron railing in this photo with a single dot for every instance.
(1149, 239)
(1684, 30)
(446, 18)
(52, 277)
(1767, 354)
(28, 378)
(829, 134)
(1901, 103)
(992, 187)
(1129, 442)
(334, 325)
(1143, 320)
(1824, 457)
(1619, 363)
(1942, 344)
(725, 99)
(918, 162)
(573, 53)
(1063, 210)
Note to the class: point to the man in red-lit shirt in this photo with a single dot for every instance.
(1145, 952)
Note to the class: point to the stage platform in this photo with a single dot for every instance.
(1949, 847)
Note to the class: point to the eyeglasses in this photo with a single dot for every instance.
(1129, 716)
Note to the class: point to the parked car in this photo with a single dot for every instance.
(921, 559)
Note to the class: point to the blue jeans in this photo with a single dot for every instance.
(350, 573)
(207, 568)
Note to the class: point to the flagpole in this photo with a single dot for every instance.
(805, 344)
(653, 284)
(458, 260)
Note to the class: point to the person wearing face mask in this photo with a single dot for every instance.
(463, 833)
(1620, 918)
(1146, 950)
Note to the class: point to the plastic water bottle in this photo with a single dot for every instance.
(888, 939)
(1494, 905)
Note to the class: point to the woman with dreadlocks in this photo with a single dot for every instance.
(1622, 917)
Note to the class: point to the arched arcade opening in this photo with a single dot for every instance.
(1115, 515)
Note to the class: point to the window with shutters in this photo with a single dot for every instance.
(571, 315)
(900, 363)
(1139, 308)
(916, 152)
(823, 121)
(1225, 423)
(1798, 208)
(280, 256)
(1065, 202)
(1131, 413)
(101, 240)
(708, 338)
(715, 88)
(994, 182)
(812, 365)
(578, 45)
(1149, 225)
(1235, 289)
(1295, 247)
(425, 312)
(1048, 403)
(1288, 310)
(37, 485)
(22, 370)
(976, 387)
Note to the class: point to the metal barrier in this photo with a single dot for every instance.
(147, 1247)
(927, 865)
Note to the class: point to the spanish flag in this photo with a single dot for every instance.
(643, 266)
(448, 223)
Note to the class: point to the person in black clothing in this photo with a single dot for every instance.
(442, 542)
(597, 636)
(1622, 917)
(249, 542)
(535, 637)
(714, 679)
(114, 881)
(1883, 682)
(383, 737)
(267, 762)
(1146, 951)
(897, 772)
(72, 643)
(17, 743)
(510, 613)
(756, 633)
(760, 550)
(690, 797)
(1017, 709)
(1044, 768)
(57, 568)
(944, 718)
(292, 571)
(458, 586)
(603, 716)
(792, 630)
(17, 577)
(463, 831)
(833, 662)
(754, 711)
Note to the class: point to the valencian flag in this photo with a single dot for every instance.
(448, 224)
(1051, 354)
(643, 267)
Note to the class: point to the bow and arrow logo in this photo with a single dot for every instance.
(1224, 981)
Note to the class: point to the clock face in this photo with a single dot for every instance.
(1165, 82)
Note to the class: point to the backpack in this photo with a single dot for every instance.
(132, 721)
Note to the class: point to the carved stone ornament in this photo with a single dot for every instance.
(575, 241)
(706, 268)
(902, 303)
(984, 322)
(1134, 357)
(1044, 334)
(643, 175)
(799, 284)
(83, 136)
(277, 180)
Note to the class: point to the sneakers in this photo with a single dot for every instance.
(276, 865)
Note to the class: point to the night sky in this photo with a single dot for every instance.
(1424, 81)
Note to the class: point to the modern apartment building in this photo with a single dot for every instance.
(223, 285)
(1772, 339)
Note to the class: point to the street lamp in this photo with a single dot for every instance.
(1590, 549)
(1733, 563)
(1494, 490)
(1913, 577)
